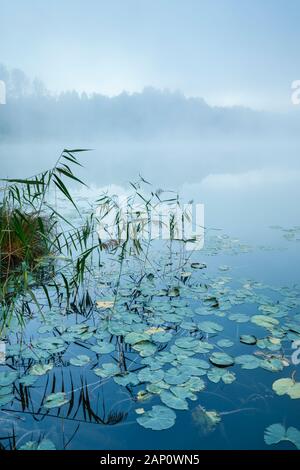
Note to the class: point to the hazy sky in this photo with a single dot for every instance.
(227, 51)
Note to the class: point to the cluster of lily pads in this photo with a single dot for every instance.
(175, 341)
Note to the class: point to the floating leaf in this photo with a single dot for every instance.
(221, 359)
(248, 339)
(281, 386)
(55, 400)
(247, 361)
(152, 376)
(129, 378)
(210, 327)
(145, 348)
(105, 304)
(264, 321)
(45, 444)
(80, 360)
(277, 433)
(225, 343)
(216, 374)
(175, 377)
(158, 418)
(40, 369)
(7, 378)
(103, 347)
(173, 401)
(108, 369)
(239, 317)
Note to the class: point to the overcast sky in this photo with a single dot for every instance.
(227, 51)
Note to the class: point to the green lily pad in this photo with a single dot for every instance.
(108, 369)
(174, 377)
(277, 433)
(194, 384)
(55, 400)
(221, 359)
(7, 378)
(210, 327)
(248, 339)
(80, 360)
(281, 386)
(173, 401)
(40, 369)
(45, 444)
(152, 376)
(145, 348)
(225, 343)
(247, 361)
(294, 392)
(28, 380)
(239, 317)
(265, 321)
(103, 347)
(158, 418)
(216, 374)
(272, 364)
(5, 399)
(129, 378)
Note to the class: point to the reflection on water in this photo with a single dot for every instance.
(193, 343)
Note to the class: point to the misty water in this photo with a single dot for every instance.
(209, 353)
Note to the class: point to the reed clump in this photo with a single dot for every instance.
(23, 239)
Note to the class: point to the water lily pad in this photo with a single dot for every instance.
(158, 418)
(108, 369)
(239, 317)
(221, 359)
(162, 337)
(194, 384)
(265, 321)
(294, 392)
(248, 361)
(225, 343)
(5, 399)
(272, 364)
(28, 380)
(134, 338)
(105, 304)
(7, 378)
(152, 376)
(56, 400)
(40, 369)
(103, 347)
(174, 377)
(216, 374)
(248, 339)
(198, 265)
(129, 378)
(80, 360)
(277, 433)
(210, 327)
(45, 444)
(173, 401)
(145, 348)
(281, 386)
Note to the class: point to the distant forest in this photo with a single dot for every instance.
(32, 112)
